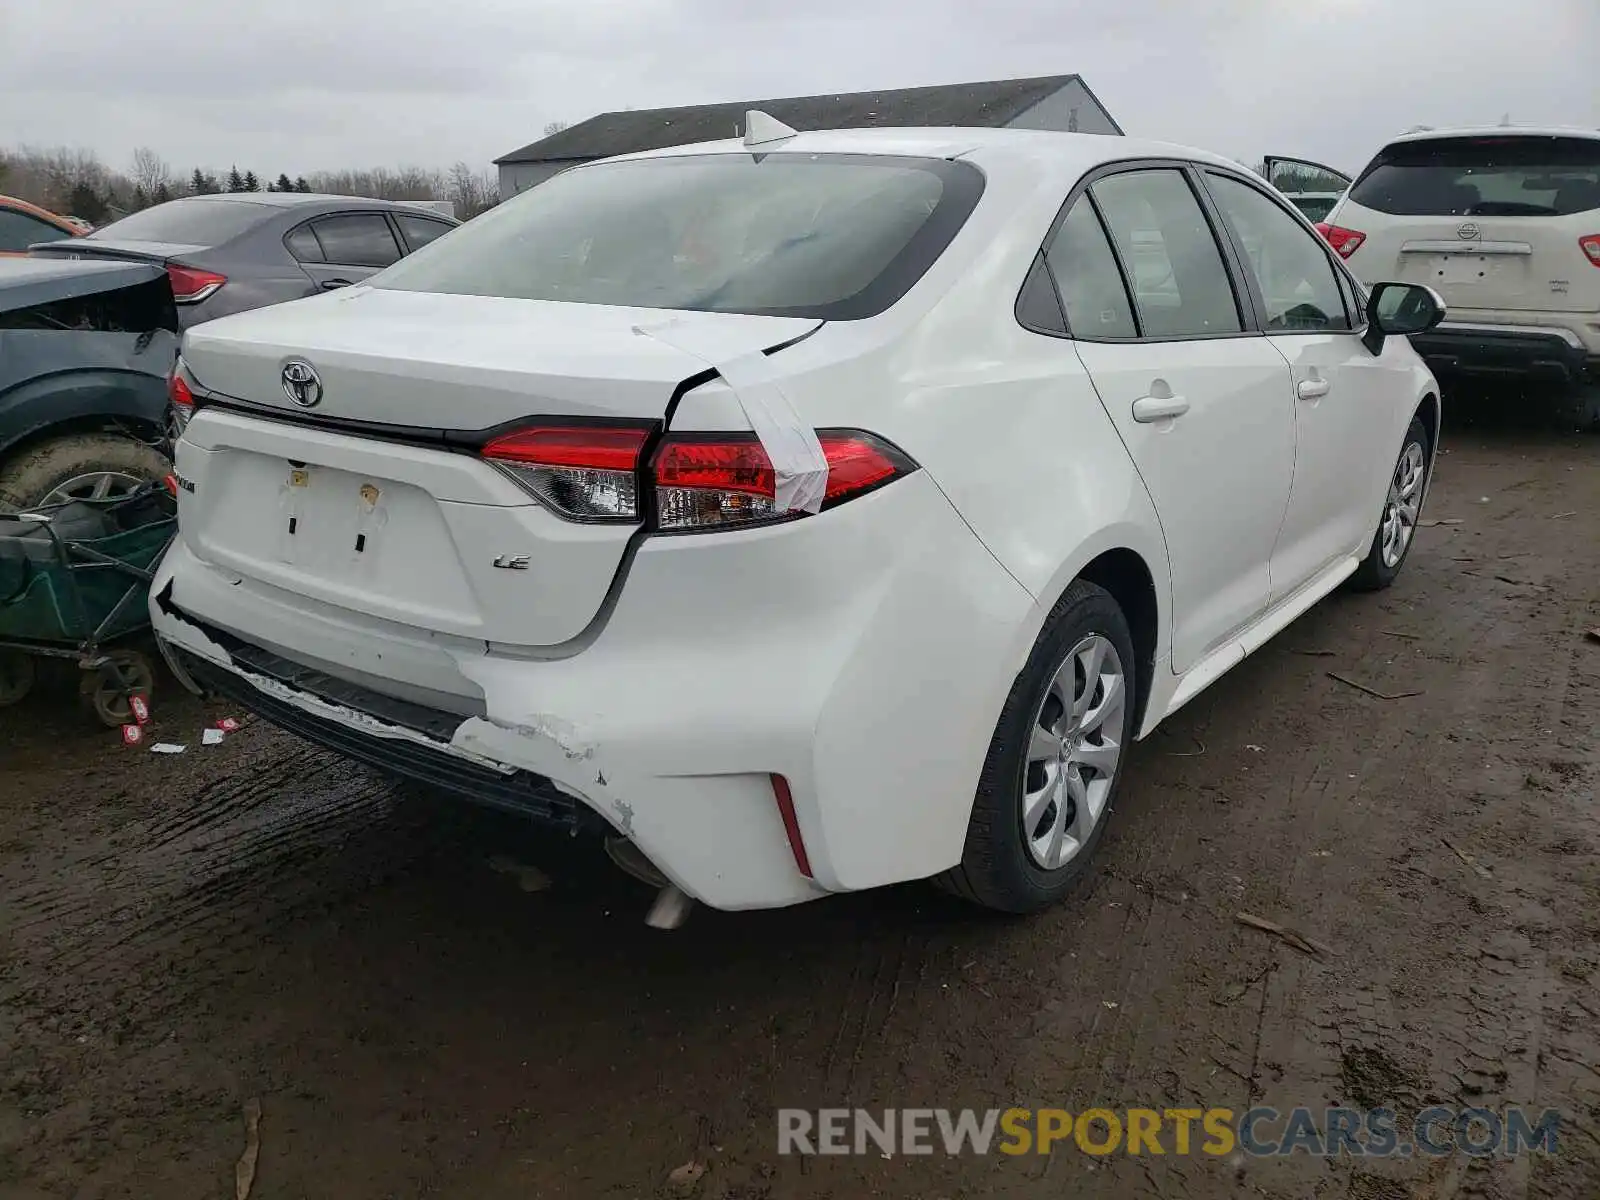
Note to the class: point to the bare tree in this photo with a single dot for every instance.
(554, 127)
(472, 192)
(150, 171)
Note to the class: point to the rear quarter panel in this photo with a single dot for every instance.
(50, 378)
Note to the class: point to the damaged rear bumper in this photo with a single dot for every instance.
(861, 656)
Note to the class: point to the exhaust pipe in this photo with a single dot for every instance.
(672, 905)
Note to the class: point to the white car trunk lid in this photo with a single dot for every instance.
(373, 500)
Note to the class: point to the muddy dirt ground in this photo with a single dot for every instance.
(259, 921)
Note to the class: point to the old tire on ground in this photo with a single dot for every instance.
(1402, 509)
(16, 677)
(78, 465)
(1051, 775)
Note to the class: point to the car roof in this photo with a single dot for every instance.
(1043, 149)
(44, 214)
(304, 199)
(1501, 131)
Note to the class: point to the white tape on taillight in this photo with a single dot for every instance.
(718, 480)
(799, 466)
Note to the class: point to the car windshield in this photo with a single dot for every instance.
(1511, 176)
(190, 222)
(834, 237)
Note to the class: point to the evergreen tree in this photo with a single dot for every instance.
(163, 192)
(235, 180)
(284, 184)
(300, 184)
(251, 183)
(197, 184)
(87, 203)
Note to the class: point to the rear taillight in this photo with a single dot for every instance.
(585, 472)
(1345, 242)
(182, 398)
(190, 285)
(1591, 247)
(699, 480)
(716, 480)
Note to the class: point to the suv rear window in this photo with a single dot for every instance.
(834, 237)
(188, 222)
(1516, 176)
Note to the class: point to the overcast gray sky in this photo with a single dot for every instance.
(300, 85)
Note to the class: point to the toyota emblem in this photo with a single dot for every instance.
(301, 383)
(1469, 232)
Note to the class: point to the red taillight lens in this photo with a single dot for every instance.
(701, 480)
(709, 480)
(586, 472)
(1591, 247)
(190, 285)
(1345, 242)
(182, 397)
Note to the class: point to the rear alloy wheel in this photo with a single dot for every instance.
(1054, 763)
(1402, 509)
(79, 466)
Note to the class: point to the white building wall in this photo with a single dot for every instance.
(519, 177)
(1071, 110)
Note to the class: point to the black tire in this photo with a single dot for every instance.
(997, 870)
(31, 475)
(1582, 407)
(1373, 575)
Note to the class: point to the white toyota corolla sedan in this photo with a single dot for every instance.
(803, 513)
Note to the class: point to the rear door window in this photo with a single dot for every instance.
(419, 231)
(303, 244)
(1510, 176)
(1180, 286)
(357, 240)
(1087, 277)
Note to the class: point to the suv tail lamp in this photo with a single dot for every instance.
(1345, 242)
(1591, 247)
(190, 285)
(698, 480)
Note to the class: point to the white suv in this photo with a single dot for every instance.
(1504, 224)
(803, 514)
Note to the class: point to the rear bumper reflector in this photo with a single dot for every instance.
(791, 824)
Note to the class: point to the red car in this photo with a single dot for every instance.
(23, 225)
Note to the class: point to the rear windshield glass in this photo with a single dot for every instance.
(188, 222)
(1484, 177)
(834, 237)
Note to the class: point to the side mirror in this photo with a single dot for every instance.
(1401, 309)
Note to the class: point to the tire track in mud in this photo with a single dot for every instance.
(143, 920)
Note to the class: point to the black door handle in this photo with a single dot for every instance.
(329, 285)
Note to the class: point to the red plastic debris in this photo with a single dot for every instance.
(228, 725)
(140, 708)
(132, 735)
